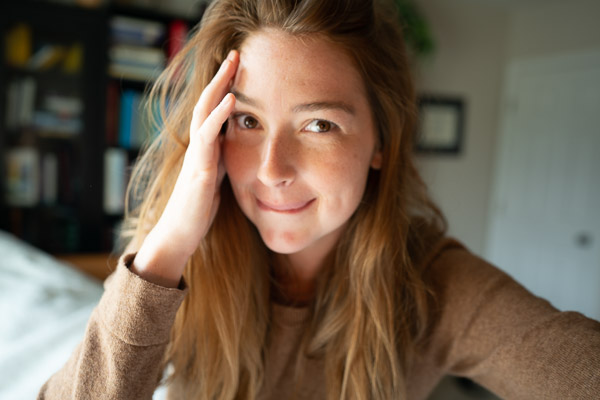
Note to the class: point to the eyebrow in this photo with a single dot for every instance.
(324, 105)
(314, 106)
(246, 100)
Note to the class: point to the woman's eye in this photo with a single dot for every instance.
(246, 122)
(320, 126)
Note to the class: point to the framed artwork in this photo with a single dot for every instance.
(441, 125)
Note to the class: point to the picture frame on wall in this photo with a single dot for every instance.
(441, 125)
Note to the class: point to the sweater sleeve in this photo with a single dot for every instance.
(492, 330)
(121, 355)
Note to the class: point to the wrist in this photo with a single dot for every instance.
(160, 261)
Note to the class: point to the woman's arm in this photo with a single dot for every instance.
(121, 356)
(495, 332)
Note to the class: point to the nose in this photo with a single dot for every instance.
(277, 166)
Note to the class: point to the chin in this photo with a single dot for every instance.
(284, 243)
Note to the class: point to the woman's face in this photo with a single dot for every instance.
(300, 141)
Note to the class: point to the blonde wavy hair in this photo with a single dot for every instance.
(372, 304)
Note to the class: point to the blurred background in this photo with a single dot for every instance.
(524, 190)
(510, 103)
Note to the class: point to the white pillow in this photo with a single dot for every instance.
(45, 305)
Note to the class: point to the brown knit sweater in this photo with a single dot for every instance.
(489, 328)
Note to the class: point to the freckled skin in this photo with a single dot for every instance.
(282, 162)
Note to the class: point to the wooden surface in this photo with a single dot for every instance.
(99, 265)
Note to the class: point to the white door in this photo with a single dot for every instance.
(545, 209)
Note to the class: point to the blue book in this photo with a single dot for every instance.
(137, 124)
(126, 118)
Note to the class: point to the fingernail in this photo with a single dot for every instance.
(226, 100)
(223, 64)
(231, 55)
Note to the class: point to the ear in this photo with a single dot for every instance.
(377, 159)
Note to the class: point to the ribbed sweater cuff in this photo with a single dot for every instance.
(136, 311)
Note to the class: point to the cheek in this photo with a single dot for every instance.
(343, 176)
(238, 161)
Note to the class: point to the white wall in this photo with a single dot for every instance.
(554, 27)
(468, 63)
(476, 40)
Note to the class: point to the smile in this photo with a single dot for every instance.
(289, 208)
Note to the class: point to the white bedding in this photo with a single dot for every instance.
(44, 308)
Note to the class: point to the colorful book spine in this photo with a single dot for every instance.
(126, 118)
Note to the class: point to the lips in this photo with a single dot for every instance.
(284, 208)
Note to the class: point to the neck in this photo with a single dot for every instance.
(296, 274)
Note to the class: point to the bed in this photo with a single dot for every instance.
(44, 307)
(45, 303)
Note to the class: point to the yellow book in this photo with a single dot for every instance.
(18, 45)
(73, 59)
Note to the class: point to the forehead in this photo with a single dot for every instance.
(305, 66)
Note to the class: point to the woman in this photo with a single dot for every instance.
(286, 214)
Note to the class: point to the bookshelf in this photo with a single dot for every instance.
(141, 43)
(50, 119)
(70, 116)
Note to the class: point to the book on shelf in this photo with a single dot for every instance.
(134, 128)
(36, 178)
(126, 115)
(22, 180)
(18, 45)
(115, 180)
(46, 57)
(177, 37)
(65, 106)
(73, 59)
(140, 73)
(136, 55)
(136, 31)
(49, 124)
(112, 113)
(20, 102)
(135, 62)
(59, 116)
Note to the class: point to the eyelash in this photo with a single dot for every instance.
(240, 123)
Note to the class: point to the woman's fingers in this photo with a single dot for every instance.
(212, 124)
(211, 127)
(214, 92)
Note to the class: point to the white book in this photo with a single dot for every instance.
(22, 177)
(115, 165)
(137, 55)
(134, 72)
